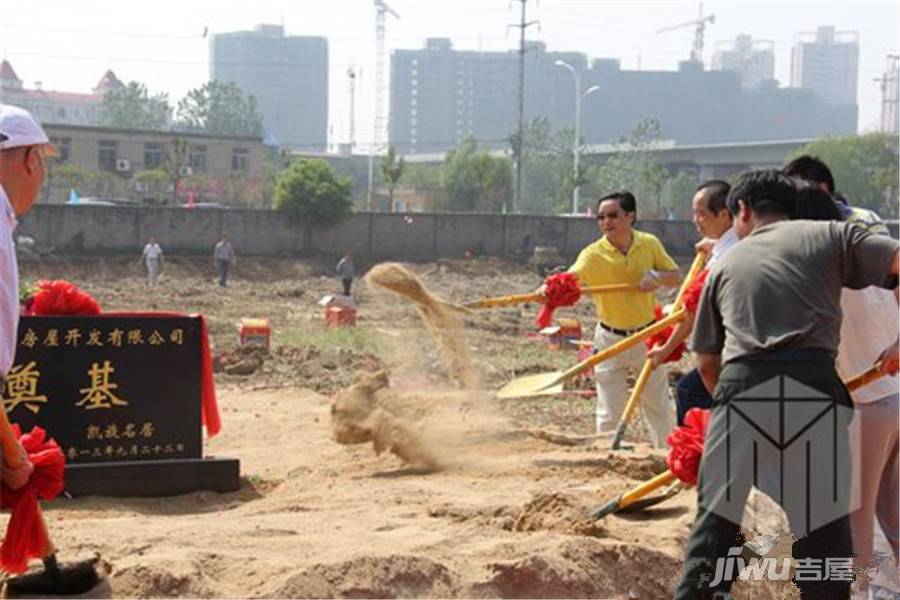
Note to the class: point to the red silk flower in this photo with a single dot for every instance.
(692, 293)
(661, 337)
(686, 443)
(25, 534)
(61, 297)
(563, 289)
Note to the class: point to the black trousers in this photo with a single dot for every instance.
(347, 282)
(222, 263)
(782, 427)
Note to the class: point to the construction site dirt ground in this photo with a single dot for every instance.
(499, 513)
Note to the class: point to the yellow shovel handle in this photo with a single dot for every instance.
(534, 297)
(637, 390)
(623, 345)
(864, 378)
(638, 492)
(696, 266)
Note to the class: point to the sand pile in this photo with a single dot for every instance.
(441, 319)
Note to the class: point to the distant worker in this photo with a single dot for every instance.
(23, 148)
(152, 258)
(626, 255)
(224, 256)
(346, 272)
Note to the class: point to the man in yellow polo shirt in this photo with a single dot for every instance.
(626, 255)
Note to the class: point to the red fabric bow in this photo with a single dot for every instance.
(661, 337)
(26, 536)
(692, 293)
(61, 297)
(563, 289)
(686, 443)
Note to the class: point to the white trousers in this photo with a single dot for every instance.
(612, 389)
(152, 270)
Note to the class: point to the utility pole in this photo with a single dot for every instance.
(889, 92)
(518, 148)
(576, 149)
(352, 75)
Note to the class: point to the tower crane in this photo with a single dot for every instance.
(381, 12)
(699, 25)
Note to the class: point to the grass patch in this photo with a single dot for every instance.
(358, 339)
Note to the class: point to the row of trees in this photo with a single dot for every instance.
(215, 107)
(472, 179)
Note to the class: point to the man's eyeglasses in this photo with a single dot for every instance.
(612, 215)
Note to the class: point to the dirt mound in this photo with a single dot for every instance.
(152, 582)
(397, 576)
(559, 512)
(583, 569)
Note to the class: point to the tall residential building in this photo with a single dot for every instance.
(440, 95)
(753, 60)
(890, 94)
(50, 106)
(827, 62)
(288, 76)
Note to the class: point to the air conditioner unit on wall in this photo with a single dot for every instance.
(142, 186)
(185, 171)
(123, 165)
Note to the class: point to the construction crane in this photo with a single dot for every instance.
(699, 25)
(381, 12)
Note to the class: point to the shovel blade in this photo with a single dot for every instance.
(541, 384)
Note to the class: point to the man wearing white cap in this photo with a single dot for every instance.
(23, 146)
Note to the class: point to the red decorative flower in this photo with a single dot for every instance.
(692, 293)
(25, 536)
(61, 297)
(686, 443)
(563, 289)
(661, 337)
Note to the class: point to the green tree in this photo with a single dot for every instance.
(474, 180)
(392, 170)
(132, 106)
(865, 168)
(219, 108)
(634, 168)
(152, 183)
(676, 195)
(308, 192)
(549, 178)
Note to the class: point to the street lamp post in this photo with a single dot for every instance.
(577, 144)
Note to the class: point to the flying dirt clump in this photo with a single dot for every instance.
(362, 413)
(440, 317)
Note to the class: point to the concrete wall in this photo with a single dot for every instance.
(369, 236)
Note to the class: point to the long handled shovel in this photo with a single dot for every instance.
(648, 368)
(551, 383)
(525, 298)
(634, 499)
(55, 579)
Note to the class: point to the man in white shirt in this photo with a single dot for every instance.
(152, 257)
(713, 221)
(224, 256)
(23, 146)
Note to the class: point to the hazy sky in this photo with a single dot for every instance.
(67, 45)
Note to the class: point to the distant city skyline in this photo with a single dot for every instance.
(68, 46)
